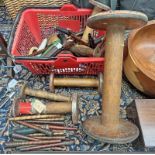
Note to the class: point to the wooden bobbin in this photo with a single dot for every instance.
(109, 127)
(24, 90)
(27, 108)
(98, 7)
(76, 82)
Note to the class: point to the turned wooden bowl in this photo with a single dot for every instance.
(139, 65)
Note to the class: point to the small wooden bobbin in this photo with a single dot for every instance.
(76, 82)
(24, 90)
(27, 108)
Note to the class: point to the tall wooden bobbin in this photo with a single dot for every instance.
(76, 82)
(98, 7)
(109, 127)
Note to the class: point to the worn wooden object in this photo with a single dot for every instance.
(109, 127)
(82, 50)
(146, 115)
(139, 66)
(76, 82)
(49, 108)
(98, 7)
(24, 90)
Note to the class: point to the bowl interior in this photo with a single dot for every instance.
(142, 50)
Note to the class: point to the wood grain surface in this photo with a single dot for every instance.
(146, 115)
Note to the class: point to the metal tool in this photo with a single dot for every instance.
(52, 117)
(48, 146)
(46, 132)
(16, 144)
(70, 33)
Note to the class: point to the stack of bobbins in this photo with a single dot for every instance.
(76, 82)
(28, 108)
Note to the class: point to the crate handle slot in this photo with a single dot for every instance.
(69, 7)
(66, 61)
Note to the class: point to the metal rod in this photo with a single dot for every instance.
(46, 132)
(45, 122)
(52, 138)
(47, 146)
(14, 135)
(16, 144)
(62, 128)
(53, 117)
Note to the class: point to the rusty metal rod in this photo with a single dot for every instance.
(56, 127)
(45, 122)
(19, 136)
(62, 128)
(46, 132)
(55, 133)
(46, 149)
(58, 149)
(52, 138)
(52, 117)
(48, 145)
(37, 135)
(16, 144)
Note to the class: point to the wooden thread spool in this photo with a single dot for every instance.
(98, 7)
(25, 108)
(109, 127)
(76, 82)
(24, 90)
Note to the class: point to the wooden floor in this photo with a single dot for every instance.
(146, 114)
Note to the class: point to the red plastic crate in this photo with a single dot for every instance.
(34, 24)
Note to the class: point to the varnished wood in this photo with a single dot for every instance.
(139, 66)
(76, 82)
(146, 115)
(42, 94)
(82, 50)
(109, 127)
(129, 19)
(112, 75)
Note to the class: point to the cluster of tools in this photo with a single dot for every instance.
(67, 42)
(40, 132)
